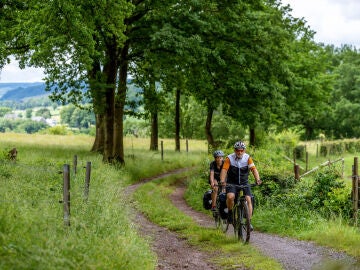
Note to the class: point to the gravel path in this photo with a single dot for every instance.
(175, 253)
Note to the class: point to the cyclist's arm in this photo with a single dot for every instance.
(213, 182)
(223, 172)
(254, 171)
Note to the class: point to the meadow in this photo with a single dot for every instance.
(102, 234)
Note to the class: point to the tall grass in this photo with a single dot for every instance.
(101, 234)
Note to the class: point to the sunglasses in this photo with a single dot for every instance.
(239, 150)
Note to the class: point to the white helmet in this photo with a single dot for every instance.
(239, 145)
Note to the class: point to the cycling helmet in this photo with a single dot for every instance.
(239, 145)
(218, 153)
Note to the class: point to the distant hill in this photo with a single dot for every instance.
(20, 91)
(13, 94)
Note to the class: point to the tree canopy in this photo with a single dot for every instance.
(250, 59)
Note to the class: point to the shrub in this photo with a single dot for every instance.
(57, 130)
(329, 194)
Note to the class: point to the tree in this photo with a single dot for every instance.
(79, 44)
(9, 11)
(346, 93)
(44, 112)
(4, 110)
(29, 113)
(241, 61)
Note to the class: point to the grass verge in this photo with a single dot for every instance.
(153, 200)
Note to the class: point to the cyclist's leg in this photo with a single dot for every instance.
(213, 197)
(250, 207)
(230, 197)
(247, 193)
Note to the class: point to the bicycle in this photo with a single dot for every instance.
(240, 215)
(219, 217)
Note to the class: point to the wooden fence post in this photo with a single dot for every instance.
(75, 163)
(317, 150)
(66, 194)
(87, 180)
(297, 171)
(307, 161)
(162, 150)
(355, 189)
(187, 146)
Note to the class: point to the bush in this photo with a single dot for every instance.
(329, 194)
(57, 130)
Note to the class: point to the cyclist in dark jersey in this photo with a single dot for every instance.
(214, 179)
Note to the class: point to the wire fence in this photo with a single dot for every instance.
(56, 198)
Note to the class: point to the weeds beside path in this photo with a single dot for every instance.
(176, 253)
(172, 252)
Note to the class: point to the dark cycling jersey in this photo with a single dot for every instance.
(213, 167)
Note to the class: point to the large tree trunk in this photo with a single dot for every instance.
(98, 101)
(177, 121)
(208, 133)
(119, 107)
(154, 141)
(98, 145)
(110, 72)
(154, 136)
(309, 132)
(252, 140)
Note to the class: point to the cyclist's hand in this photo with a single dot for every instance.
(258, 182)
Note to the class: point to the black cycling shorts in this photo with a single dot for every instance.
(234, 189)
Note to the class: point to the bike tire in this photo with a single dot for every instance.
(244, 228)
(220, 223)
(236, 220)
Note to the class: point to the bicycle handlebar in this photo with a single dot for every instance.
(239, 186)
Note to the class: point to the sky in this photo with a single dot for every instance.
(335, 22)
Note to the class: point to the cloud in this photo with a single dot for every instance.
(335, 22)
(12, 73)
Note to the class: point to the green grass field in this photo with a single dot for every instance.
(101, 234)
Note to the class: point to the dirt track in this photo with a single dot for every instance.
(175, 253)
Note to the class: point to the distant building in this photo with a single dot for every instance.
(51, 122)
(11, 116)
(39, 119)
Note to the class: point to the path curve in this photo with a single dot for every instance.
(292, 254)
(175, 253)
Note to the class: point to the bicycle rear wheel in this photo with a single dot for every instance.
(220, 223)
(244, 227)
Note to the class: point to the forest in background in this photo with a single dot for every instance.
(195, 61)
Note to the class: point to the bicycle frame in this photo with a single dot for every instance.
(240, 215)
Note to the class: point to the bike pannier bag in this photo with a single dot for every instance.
(222, 200)
(207, 200)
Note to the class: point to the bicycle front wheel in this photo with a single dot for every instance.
(244, 227)
(236, 220)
